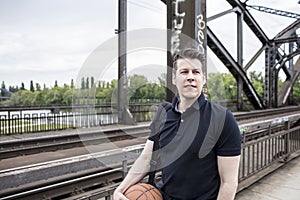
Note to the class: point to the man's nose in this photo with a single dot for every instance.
(190, 76)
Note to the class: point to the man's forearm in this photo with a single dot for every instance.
(135, 174)
(227, 191)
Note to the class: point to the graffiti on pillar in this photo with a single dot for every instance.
(177, 24)
(200, 33)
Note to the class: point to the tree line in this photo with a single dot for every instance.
(139, 90)
(220, 86)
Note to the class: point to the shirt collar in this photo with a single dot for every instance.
(195, 105)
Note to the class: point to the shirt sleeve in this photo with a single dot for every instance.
(159, 120)
(230, 141)
(152, 135)
(155, 125)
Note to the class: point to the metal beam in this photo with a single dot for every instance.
(275, 11)
(240, 58)
(235, 69)
(170, 89)
(288, 31)
(124, 115)
(221, 14)
(271, 76)
(253, 59)
(287, 86)
(253, 25)
(286, 40)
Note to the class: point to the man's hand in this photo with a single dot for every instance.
(118, 195)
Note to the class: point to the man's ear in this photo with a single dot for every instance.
(173, 79)
(204, 79)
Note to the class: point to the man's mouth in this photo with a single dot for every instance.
(188, 86)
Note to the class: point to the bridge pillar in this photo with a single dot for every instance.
(291, 69)
(240, 54)
(124, 115)
(271, 77)
(185, 18)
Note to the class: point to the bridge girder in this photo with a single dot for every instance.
(288, 36)
(273, 57)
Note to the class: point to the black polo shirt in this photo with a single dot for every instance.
(184, 174)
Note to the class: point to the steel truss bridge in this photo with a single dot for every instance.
(276, 58)
(188, 17)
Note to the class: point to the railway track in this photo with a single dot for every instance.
(13, 148)
(266, 113)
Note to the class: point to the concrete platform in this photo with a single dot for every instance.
(282, 184)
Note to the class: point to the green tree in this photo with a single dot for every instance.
(3, 85)
(38, 87)
(38, 98)
(257, 81)
(13, 89)
(152, 92)
(92, 81)
(31, 86)
(82, 83)
(54, 97)
(108, 93)
(22, 86)
(135, 83)
(143, 91)
(72, 84)
(22, 98)
(87, 83)
(68, 97)
(140, 89)
(215, 86)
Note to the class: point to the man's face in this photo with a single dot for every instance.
(189, 78)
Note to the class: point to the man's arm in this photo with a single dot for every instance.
(137, 172)
(228, 169)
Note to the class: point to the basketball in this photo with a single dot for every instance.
(143, 191)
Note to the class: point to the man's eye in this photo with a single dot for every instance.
(184, 72)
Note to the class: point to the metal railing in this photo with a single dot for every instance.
(268, 152)
(29, 119)
(258, 155)
(37, 119)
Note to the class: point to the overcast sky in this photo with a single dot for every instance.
(48, 40)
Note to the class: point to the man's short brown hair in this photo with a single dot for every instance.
(188, 53)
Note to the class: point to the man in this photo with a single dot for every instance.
(193, 165)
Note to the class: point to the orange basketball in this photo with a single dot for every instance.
(143, 191)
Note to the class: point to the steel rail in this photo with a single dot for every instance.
(41, 177)
(68, 186)
(265, 113)
(29, 146)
